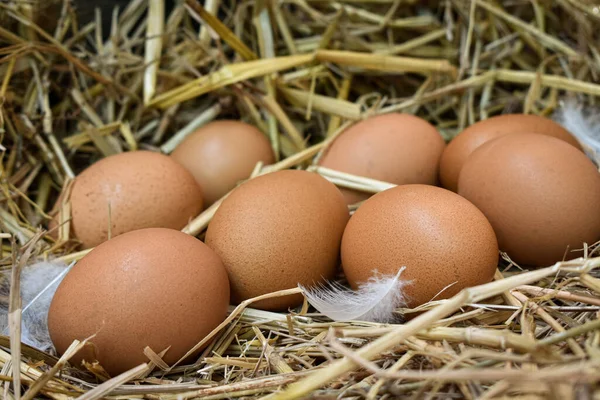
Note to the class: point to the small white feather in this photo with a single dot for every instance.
(583, 123)
(376, 300)
(39, 282)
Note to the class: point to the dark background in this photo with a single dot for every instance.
(86, 10)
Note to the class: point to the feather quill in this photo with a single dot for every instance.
(374, 301)
(583, 123)
(39, 282)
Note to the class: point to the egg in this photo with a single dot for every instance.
(459, 149)
(129, 191)
(541, 195)
(395, 148)
(221, 154)
(444, 241)
(276, 231)
(153, 287)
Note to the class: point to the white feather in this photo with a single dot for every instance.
(38, 284)
(376, 300)
(583, 123)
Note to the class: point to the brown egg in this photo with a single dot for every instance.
(445, 242)
(143, 189)
(459, 149)
(221, 154)
(152, 287)
(540, 194)
(395, 148)
(277, 231)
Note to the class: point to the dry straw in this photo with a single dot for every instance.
(301, 71)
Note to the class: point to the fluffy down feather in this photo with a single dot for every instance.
(38, 284)
(375, 300)
(583, 123)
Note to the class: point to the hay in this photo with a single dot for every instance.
(301, 71)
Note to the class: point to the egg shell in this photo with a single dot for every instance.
(152, 287)
(458, 150)
(445, 242)
(221, 154)
(276, 231)
(395, 148)
(143, 189)
(541, 195)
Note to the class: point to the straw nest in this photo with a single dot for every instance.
(301, 70)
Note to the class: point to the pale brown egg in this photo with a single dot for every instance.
(444, 241)
(133, 190)
(221, 154)
(276, 231)
(152, 287)
(458, 150)
(395, 148)
(541, 195)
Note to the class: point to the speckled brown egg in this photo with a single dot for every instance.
(444, 241)
(459, 149)
(152, 287)
(541, 195)
(395, 148)
(134, 190)
(221, 154)
(276, 231)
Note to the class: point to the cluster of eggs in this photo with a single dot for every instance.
(532, 180)
(506, 187)
(526, 173)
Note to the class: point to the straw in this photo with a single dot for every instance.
(302, 72)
